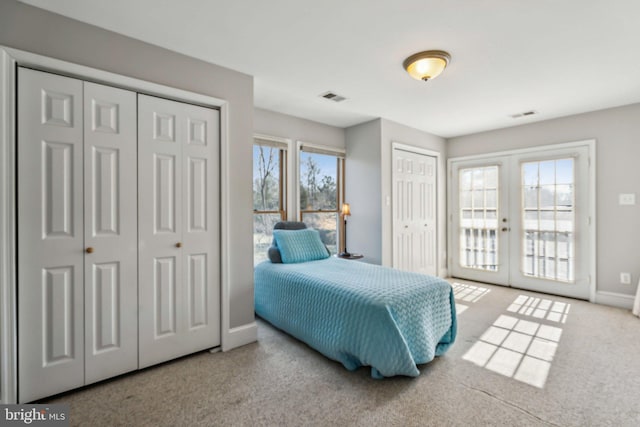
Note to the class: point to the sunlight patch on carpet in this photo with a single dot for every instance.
(540, 308)
(519, 348)
(469, 293)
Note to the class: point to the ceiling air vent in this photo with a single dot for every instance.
(525, 114)
(333, 97)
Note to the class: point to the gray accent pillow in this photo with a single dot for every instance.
(273, 252)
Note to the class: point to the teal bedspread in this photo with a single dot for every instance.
(359, 314)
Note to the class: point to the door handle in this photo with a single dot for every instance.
(89, 250)
(506, 229)
(178, 245)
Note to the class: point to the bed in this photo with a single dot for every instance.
(356, 313)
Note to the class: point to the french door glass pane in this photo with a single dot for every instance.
(327, 225)
(548, 213)
(478, 203)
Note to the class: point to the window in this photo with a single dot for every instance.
(269, 192)
(321, 191)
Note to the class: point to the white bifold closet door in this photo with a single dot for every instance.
(178, 208)
(414, 212)
(77, 269)
(110, 209)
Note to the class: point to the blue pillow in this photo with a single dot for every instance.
(300, 245)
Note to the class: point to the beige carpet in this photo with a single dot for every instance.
(520, 359)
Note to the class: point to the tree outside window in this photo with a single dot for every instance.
(320, 191)
(269, 183)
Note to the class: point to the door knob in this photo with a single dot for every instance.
(178, 245)
(89, 250)
(505, 229)
(504, 219)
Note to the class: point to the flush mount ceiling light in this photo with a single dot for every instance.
(426, 65)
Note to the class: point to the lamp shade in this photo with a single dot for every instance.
(426, 65)
(346, 209)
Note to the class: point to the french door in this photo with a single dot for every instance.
(523, 220)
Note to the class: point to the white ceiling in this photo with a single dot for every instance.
(557, 57)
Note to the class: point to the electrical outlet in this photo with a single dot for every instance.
(625, 278)
(628, 199)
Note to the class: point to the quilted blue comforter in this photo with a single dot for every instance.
(359, 314)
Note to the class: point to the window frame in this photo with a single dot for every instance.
(340, 155)
(283, 146)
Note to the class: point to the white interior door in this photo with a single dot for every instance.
(179, 225)
(524, 220)
(201, 227)
(414, 212)
(110, 232)
(50, 235)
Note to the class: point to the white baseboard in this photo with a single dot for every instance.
(239, 336)
(614, 299)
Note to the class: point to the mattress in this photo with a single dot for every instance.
(359, 314)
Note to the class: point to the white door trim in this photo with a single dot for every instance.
(441, 256)
(588, 142)
(9, 59)
(8, 249)
(591, 145)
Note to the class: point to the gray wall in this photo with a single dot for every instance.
(35, 30)
(363, 190)
(369, 182)
(617, 134)
(284, 126)
(395, 132)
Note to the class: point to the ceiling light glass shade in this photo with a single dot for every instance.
(426, 65)
(346, 209)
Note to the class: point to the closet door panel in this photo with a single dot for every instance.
(110, 206)
(50, 234)
(164, 302)
(201, 228)
(179, 229)
(160, 228)
(164, 194)
(197, 291)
